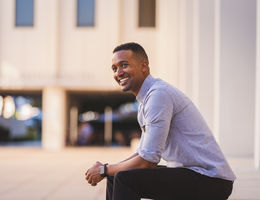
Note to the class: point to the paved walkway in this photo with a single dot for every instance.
(35, 174)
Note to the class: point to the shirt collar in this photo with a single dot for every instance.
(148, 82)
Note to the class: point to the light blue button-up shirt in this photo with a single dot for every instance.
(173, 129)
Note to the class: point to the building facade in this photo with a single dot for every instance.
(207, 48)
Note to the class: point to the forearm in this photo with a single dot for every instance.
(132, 156)
(135, 162)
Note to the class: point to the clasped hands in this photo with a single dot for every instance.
(93, 174)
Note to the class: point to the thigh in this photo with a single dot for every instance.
(214, 188)
(164, 183)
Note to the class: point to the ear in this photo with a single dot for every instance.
(145, 67)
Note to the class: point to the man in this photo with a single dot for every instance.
(172, 128)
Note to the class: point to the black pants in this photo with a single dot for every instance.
(166, 184)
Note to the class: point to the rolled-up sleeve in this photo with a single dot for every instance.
(157, 112)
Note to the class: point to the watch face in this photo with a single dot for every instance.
(102, 171)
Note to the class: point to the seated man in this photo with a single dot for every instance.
(172, 129)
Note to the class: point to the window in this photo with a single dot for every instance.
(85, 12)
(146, 13)
(24, 12)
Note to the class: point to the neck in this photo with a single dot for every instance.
(136, 92)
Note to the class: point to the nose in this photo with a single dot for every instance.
(119, 72)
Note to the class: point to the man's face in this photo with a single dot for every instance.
(128, 71)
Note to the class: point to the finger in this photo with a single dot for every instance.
(87, 176)
(90, 180)
(96, 179)
(94, 184)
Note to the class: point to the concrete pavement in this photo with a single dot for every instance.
(30, 173)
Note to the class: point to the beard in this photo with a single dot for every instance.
(125, 87)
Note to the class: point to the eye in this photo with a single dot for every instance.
(124, 65)
(114, 68)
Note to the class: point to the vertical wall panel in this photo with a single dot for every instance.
(237, 75)
(257, 94)
(206, 59)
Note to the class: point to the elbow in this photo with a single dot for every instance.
(147, 164)
(152, 165)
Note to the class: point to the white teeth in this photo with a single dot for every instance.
(124, 79)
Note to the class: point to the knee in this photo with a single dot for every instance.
(122, 177)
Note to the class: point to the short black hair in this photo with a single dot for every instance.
(134, 47)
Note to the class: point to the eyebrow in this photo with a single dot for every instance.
(122, 61)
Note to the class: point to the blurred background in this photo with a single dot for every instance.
(56, 77)
(56, 83)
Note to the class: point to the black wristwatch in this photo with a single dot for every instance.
(103, 170)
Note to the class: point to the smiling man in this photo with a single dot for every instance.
(172, 129)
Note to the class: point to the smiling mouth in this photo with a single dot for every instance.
(123, 81)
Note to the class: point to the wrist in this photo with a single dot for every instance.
(103, 170)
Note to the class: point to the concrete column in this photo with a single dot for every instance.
(108, 125)
(195, 52)
(196, 64)
(257, 93)
(54, 117)
(189, 49)
(183, 47)
(187, 35)
(167, 30)
(119, 13)
(216, 109)
(237, 76)
(205, 77)
(53, 19)
(73, 126)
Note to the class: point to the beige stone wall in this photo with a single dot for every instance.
(56, 51)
